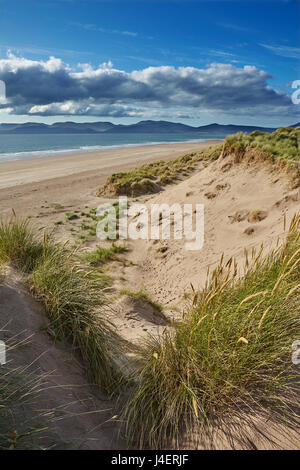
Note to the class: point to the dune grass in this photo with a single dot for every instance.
(229, 357)
(142, 295)
(284, 143)
(281, 148)
(14, 394)
(102, 255)
(73, 301)
(72, 295)
(149, 177)
(19, 388)
(20, 244)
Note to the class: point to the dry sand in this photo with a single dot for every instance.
(32, 187)
(77, 416)
(168, 272)
(73, 179)
(225, 191)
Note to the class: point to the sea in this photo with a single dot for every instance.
(22, 146)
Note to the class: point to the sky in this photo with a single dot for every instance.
(190, 61)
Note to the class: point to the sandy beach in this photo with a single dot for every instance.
(150, 229)
(74, 179)
(59, 194)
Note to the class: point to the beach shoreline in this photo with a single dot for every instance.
(49, 153)
(72, 179)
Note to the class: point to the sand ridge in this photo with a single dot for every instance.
(228, 196)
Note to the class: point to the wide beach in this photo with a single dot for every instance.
(25, 185)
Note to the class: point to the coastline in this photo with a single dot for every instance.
(49, 153)
(26, 185)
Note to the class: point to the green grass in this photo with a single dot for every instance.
(89, 226)
(102, 255)
(72, 296)
(72, 216)
(73, 301)
(282, 147)
(284, 143)
(18, 389)
(20, 244)
(85, 226)
(149, 177)
(57, 206)
(228, 358)
(143, 296)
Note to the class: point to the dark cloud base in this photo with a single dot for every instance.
(49, 88)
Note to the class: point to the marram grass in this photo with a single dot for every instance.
(20, 244)
(149, 177)
(227, 360)
(280, 148)
(20, 388)
(73, 303)
(72, 295)
(283, 144)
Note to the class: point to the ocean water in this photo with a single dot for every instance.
(22, 146)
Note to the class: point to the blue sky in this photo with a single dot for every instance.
(156, 58)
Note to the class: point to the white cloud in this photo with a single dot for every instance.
(284, 51)
(51, 86)
(93, 27)
(14, 63)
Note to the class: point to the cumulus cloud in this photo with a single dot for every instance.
(52, 87)
(85, 108)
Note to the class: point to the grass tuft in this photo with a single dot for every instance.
(101, 254)
(228, 359)
(282, 147)
(20, 244)
(150, 177)
(72, 296)
(257, 215)
(19, 390)
(284, 143)
(71, 216)
(73, 302)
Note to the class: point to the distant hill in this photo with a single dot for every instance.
(232, 128)
(142, 127)
(56, 128)
(149, 127)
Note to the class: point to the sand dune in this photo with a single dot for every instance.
(230, 193)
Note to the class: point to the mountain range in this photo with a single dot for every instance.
(142, 127)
